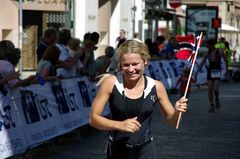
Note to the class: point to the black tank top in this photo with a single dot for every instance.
(122, 108)
(215, 60)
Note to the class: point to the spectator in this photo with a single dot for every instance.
(94, 38)
(227, 54)
(149, 43)
(120, 42)
(157, 48)
(120, 37)
(74, 46)
(182, 80)
(220, 44)
(89, 65)
(47, 65)
(104, 61)
(114, 60)
(7, 67)
(66, 62)
(76, 52)
(5, 47)
(86, 43)
(170, 48)
(49, 38)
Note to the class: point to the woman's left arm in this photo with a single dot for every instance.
(169, 111)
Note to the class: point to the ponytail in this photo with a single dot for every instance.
(102, 78)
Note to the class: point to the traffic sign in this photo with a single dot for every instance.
(175, 3)
(216, 23)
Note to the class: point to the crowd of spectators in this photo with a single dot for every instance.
(60, 55)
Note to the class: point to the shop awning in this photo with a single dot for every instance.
(226, 27)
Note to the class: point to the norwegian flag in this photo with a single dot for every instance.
(188, 51)
(187, 47)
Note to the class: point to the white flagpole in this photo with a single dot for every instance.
(189, 77)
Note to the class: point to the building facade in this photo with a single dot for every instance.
(229, 12)
(37, 15)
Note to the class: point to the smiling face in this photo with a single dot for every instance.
(133, 56)
(132, 66)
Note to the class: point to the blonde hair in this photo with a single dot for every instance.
(101, 78)
(133, 46)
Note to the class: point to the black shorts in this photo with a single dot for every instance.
(120, 151)
(209, 76)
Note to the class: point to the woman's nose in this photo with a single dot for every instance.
(130, 69)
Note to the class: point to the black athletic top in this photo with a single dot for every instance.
(214, 63)
(121, 108)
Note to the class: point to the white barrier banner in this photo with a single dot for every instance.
(12, 139)
(88, 91)
(47, 111)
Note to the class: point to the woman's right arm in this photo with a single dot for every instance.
(98, 121)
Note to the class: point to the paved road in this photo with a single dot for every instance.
(201, 135)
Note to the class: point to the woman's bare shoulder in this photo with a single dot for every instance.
(107, 81)
(159, 85)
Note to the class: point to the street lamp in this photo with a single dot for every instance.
(238, 26)
(238, 19)
(154, 7)
(134, 9)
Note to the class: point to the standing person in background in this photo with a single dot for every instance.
(213, 56)
(49, 38)
(95, 38)
(75, 52)
(150, 44)
(114, 60)
(89, 65)
(170, 48)
(6, 46)
(7, 67)
(74, 46)
(159, 42)
(132, 97)
(85, 54)
(120, 37)
(47, 65)
(227, 54)
(103, 62)
(220, 44)
(66, 62)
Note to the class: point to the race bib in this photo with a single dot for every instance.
(215, 73)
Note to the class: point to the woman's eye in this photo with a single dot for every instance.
(135, 64)
(125, 65)
(132, 64)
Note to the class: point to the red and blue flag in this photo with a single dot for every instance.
(187, 46)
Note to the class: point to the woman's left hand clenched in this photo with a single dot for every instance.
(181, 105)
